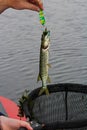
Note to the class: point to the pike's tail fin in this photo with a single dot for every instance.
(44, 90)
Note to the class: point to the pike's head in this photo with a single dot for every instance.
(45, 40)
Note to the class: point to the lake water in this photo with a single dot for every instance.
(20, 39)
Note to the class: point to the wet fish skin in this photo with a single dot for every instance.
(44, 62)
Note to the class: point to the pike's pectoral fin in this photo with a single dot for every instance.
(48, 79)
(44, 90)
(38, 78)
(49, 65)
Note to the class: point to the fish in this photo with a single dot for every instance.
(43, 62)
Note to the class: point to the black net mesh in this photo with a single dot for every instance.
(65, 107)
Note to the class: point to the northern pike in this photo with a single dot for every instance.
(43, 62)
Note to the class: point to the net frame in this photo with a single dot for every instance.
(62, 87)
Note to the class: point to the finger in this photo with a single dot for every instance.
(26, 125)
(39, 3)
(30, 6)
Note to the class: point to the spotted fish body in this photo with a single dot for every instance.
(43, 63)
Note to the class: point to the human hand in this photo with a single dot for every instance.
(12, 124)
(34, 5)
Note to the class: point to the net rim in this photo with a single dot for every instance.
(60, 87)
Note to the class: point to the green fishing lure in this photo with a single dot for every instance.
(42, 17)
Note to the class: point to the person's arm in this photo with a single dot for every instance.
(3, 6)
(7, 123)
(34, 5)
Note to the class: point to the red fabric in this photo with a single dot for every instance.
(10, 107)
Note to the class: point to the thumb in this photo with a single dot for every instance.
(26, 125)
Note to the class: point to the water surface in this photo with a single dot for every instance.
(20, 34)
